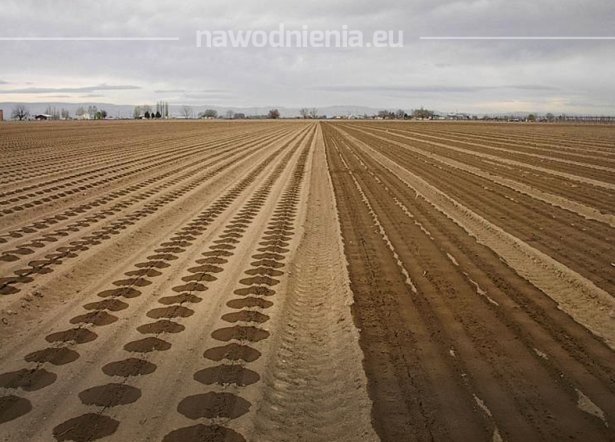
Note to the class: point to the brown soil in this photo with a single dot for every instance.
(315, 281)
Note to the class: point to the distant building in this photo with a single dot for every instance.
(42, 117)
(1, 115)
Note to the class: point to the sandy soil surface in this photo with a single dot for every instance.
(314, 281)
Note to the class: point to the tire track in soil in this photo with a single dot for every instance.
(114, 300)
(314, 387)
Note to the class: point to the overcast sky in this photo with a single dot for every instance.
(473, 76)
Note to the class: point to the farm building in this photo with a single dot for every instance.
(42, 117)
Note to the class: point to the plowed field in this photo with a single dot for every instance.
(302, 280)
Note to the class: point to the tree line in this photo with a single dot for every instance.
(162, 111)
(21, 112)
(400, 114)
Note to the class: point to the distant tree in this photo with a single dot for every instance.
(550, 117)
(304, 112)
(92, 110)
(210, 113)
(136, 113)
(531, 118)
(273, 114)
(386, 115)
(146, 115)
(313, 113)
(158, 115)
(229, 114)
(64, 114)
(20, 112)
(80, 112)
(53, 113)
(400, 114)
(187, 112)
(162, 107)
(422, 114)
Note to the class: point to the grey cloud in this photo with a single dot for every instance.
(532, 87)
(198, 96)
(48, 90)
(431, 89)
(478, 76)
